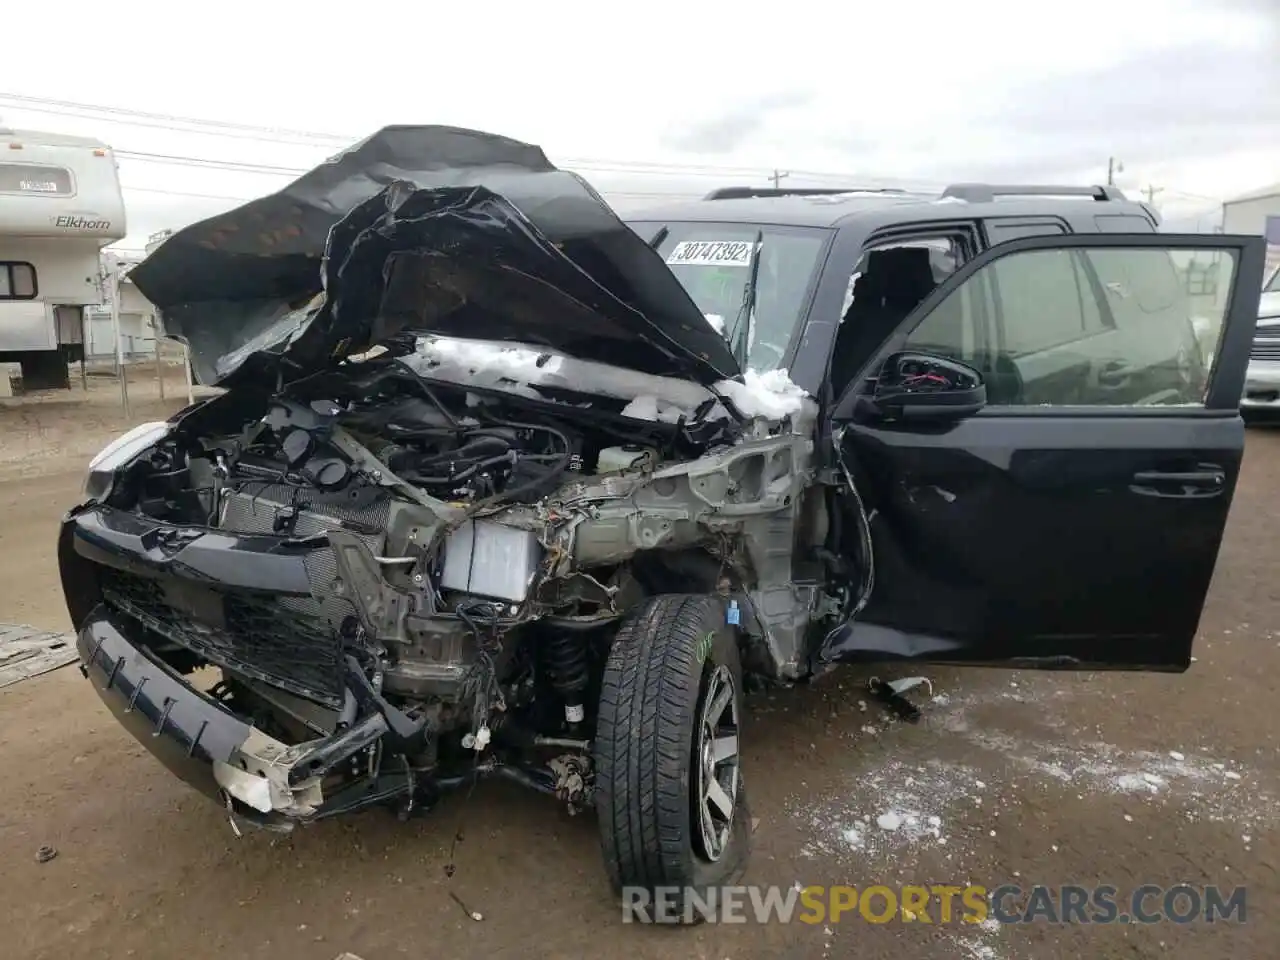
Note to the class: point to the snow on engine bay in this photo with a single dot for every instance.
(516, 369)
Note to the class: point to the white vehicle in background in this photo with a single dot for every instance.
(60, 204)
(1262, 382)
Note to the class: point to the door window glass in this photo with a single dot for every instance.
(1104, 326)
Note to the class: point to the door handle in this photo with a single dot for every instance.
(1195, 478)
(1180, 484)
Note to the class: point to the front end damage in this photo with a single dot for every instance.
(394, 572)
(372, 641)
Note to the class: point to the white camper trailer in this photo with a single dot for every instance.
(60, 204)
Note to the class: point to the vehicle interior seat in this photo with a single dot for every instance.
(892, 284)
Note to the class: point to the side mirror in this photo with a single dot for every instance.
(920, 386)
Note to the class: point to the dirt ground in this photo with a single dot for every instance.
(1011, 778)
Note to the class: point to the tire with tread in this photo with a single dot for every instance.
(650, 702)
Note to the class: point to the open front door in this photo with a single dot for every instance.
(1047, 451)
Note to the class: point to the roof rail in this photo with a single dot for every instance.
(987, 192)
(745, 193)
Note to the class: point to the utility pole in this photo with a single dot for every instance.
(115, 326)
(778, 175)
(1114, 166)
(1151, 192)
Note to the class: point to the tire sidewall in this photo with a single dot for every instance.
(732, 864)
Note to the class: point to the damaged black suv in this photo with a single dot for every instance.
(499, 485)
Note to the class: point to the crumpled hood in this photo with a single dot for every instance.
(421, 230)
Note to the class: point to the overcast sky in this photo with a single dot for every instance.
(674, 98)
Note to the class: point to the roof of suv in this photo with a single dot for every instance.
(831, 209)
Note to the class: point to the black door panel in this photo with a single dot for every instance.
(1075, 521)
(1055, 539)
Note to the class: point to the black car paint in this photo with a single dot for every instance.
(253, 563)
(183, 729)
(970, 556)
(1060, 537)
(509, 247)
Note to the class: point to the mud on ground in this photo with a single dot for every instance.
(1012, 777)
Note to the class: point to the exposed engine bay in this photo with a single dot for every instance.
(468, 555)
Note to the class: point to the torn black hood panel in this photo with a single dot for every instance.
(421, 230)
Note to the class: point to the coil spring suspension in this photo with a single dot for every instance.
(564, 656)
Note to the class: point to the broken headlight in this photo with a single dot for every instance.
(119, 453)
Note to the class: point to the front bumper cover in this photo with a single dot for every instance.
(199, 740)
(261, 780)
(1262, 386)
(207, 745)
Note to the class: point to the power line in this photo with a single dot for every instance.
(626, 194)
(236, 166)
(240, 166)
(180, 124)
(1195, 196)
(175, 118)
(83, 115)
(128, 188)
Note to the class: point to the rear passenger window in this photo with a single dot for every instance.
(1123, 223)
(1102, 326)
(1000, 229)
(1047, 290)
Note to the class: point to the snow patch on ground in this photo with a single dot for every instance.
(977, 942)
(1206, 788)
(896, 805)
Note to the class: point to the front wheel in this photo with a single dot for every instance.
(669, 787)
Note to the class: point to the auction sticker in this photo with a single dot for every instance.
(719, 253)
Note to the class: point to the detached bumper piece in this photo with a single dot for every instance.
(137, 582)
(240, 601)
(200, 741)
(260, 780)
(224, 756)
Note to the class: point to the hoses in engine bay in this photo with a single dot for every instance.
(480, 461)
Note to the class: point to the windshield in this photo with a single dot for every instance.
(713, 262)
(1273, 285)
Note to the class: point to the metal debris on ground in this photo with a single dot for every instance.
(45, 854)
(475, 915)
(890, 693)
(574, 777)
(27, 651)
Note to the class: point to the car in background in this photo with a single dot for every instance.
(1262, 382)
